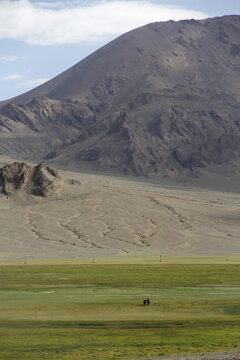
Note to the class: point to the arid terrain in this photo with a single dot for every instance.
(161, 100)
(100, 215)
(155, 110)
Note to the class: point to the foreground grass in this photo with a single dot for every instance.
(114, 340)
(81, 312)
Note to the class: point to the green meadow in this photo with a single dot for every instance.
(80, 310)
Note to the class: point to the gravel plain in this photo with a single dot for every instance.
(235, 355)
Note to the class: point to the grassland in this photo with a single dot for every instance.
(129, 260)
(94, 311)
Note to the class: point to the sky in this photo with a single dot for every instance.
(41, 39)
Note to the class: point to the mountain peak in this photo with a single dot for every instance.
(160, 100)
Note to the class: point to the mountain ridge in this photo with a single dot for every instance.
(46, 89)
(160, 100)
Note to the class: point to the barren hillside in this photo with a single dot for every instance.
(161, 100)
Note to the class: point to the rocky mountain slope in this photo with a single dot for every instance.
(161, 100)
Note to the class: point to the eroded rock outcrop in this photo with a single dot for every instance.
(40, 180)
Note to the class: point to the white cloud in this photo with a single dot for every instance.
(44, 4)
(32, 83)
(39, 24)
(25, 82)
(8, 58)
(13, 77)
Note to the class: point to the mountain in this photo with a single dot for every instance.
(161, 100)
